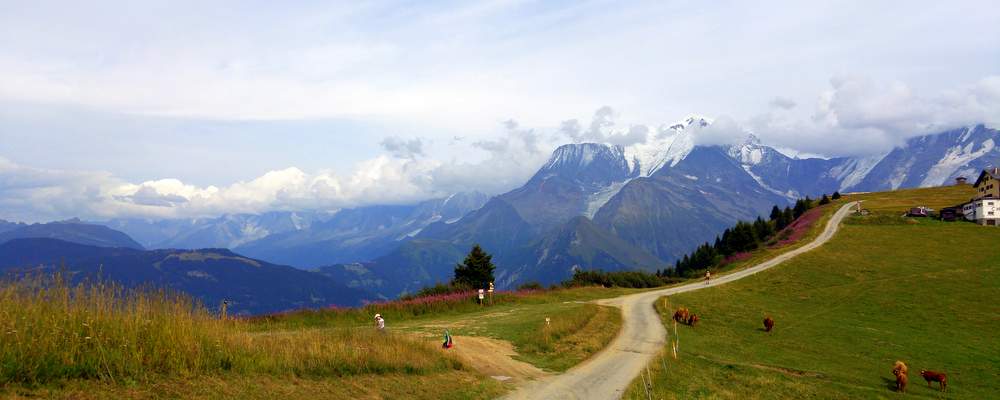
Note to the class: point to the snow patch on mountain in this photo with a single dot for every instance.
(599, 199)
(582, 154)
(790, 194)
(899, 174)
(854, 170)
(668, 147)
(750, 152)
(956, 157)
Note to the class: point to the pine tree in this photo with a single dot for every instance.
(824, 201)
(762, 229)
(789, 216)
(836, 195)
(775, 213)
(477, 269)
(801, 206)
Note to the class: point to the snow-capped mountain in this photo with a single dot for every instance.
(592, 205)
(933, 160)
(667, 147)
(649, 203)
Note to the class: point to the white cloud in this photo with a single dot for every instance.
(603, 129)
(35, 194)
(859, 115)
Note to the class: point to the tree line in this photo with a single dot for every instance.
(743, 237)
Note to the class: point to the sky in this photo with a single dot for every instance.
(180, 109)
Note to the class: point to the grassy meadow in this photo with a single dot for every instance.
(916, 290)
(103, 341)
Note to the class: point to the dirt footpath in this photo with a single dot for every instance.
(494, 358)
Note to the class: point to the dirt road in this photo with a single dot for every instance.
(607, 374)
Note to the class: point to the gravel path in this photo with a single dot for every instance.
(607, 374)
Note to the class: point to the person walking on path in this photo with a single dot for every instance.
(379, 323)
(708, 276)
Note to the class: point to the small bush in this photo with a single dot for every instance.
(880, 219)
(531, 286)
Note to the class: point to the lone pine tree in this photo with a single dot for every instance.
(477, 269)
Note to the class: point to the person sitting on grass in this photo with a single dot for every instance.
(379, 323)
(447, 340)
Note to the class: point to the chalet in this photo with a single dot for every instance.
(984, 209)
(960, 180)
(918, 212)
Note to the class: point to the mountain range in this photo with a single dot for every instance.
(210, 275)
(591, 205)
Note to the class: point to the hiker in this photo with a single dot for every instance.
(708, 276)
(379, 323)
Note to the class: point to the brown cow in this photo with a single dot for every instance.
(693, 319)
(768, 324)
(899, 370)
(681, 315)
(938, 377)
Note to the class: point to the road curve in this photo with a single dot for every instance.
(607, 374)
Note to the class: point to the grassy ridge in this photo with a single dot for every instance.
(919, 292)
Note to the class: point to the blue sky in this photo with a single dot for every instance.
(202, 100)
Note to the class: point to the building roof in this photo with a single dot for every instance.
(992, 172)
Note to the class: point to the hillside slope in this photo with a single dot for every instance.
(884, 289)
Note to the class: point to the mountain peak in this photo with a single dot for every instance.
(748, 152)
(575, 158)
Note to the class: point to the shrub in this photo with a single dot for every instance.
(625, 279)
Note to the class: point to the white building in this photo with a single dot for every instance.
(983, 211)
(984, 208)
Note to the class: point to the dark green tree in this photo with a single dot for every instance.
(801, 206)
(763, 229)
(775, 213)
(477, 269)
(825, 200)
(836, 195)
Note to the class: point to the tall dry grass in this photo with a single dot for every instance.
(52, 330)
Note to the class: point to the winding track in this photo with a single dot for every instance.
(607, 374)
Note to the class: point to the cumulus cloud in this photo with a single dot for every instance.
(401, 176)
(603, 129)
(403, 148)
(723, 130)
(859, 115)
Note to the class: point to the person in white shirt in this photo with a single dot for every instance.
(379, 322)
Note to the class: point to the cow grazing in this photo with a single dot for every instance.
(932, 376)
(693, 319)
(768, 324)
(899, 370)
(681, 315)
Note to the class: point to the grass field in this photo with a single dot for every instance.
(102, 341)
(920, 291)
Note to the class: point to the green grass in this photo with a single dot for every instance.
(575, 332)
(103, 341)
(922, 292)
(115, 339)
